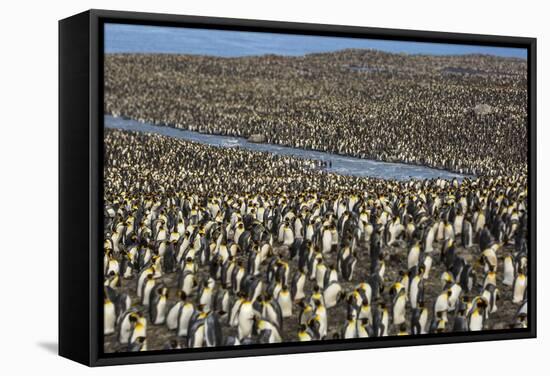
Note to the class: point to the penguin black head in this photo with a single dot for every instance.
(182, 295)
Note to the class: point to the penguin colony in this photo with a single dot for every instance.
(466, 114)
(208, 246)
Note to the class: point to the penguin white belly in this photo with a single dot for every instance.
(410, 229)
(198, 338)
(161, 311)
(288, 237)
(272, 315)
(351, 330)
(519, 288)
(277, 290)
(367, 288)
(238, 233)
(476, 321)
(440, 231)
(264, 252)
(480, 222)
(234, 315)
(300, 294)
(128, 272)
(188, 283)
(113, 267)
(455, 293)
(327, 241)
(399, 311)
(427, 266)
(412, 259)
(141, 281)
(238, 280)
(365, 313)
(442, 305)
(257, 291)
(457, 225)
(109, 318)
(386, 323)
(382, 271)
(184, 317)
(309, 232)
(334, 236)
(139, 331)
(281, 234)
(313, 269)
(430, 240)
(320, 271)
(449, 232)
(172, 316)
(298, 229)
(330, 295)
(206, 298)
(147, 292)
(368, 232)
(323, 325)
(424, 322)
(492, 303)
(245, 322)
(285, 302)
(125, 331)
(161, 235)
(223, 253)
(508, 272)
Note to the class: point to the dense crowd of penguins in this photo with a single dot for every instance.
(208, 246)
(466, 114)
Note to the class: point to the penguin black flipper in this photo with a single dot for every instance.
(415, 321)
(213, 330)
(294, 284)
(264, 336)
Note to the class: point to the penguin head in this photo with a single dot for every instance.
(182, 295)
(140, 340)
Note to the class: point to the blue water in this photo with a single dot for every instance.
(339, 164)
(120, 38)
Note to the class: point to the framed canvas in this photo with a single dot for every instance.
(238, 187)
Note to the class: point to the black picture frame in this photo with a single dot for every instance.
(80, 184)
